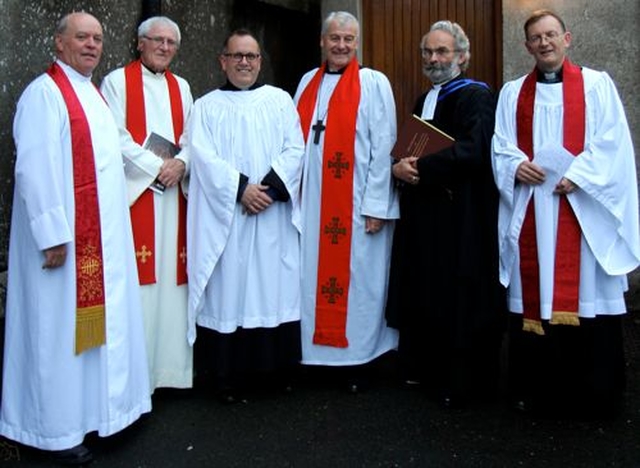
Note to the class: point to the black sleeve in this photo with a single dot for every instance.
(277, 190)
(244, 180)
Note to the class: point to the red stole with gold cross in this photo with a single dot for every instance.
(568, 238)
(90, 295)
(142, 211)
(336, 210)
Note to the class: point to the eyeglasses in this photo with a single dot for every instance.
(348, 39)
(238, 56)
(548, 36)
(158, 41)
(441, 51)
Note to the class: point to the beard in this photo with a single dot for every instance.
(439, 73)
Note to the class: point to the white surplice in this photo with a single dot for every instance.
(164, 303)
(374, 195)
(244, 270)
(51, 397)
(606, 203)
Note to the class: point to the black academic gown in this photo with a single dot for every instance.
(444, 293)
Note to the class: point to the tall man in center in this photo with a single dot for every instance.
(145, 98)
(348, 117)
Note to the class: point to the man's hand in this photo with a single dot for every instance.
(54, 257)
(372, 225)
(565, 186)
(406, 170)
(171, 172)
(530, 173)
(254, 199)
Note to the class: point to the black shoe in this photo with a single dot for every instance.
(228, 397)
(452, 402)
(521, 406)
(357, 385)
(78, 455)
(353, 387)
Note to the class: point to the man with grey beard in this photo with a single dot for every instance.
(444, 293)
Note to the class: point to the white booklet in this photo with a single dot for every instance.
(555, 160)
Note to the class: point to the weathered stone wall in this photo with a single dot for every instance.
(606, 36)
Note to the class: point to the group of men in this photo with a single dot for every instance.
(307, 242)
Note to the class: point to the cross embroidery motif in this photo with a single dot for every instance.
(335, 229)
(332, 290)
(183, 255)
(143, 254)
(89, 278)
(338, 165)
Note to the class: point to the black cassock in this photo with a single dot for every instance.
(444, 292)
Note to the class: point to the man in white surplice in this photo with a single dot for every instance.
(243, 223)
(52, 395)
(534, 132)
(164, 296)
(373, 203)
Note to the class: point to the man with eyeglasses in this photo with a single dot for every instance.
(568, 225)
(148, 100)
(444, 293)
(243, 227)
(349, 203)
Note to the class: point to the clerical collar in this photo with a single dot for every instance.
(337, 72)
(151, 70)
(550, 77)
(228, 86)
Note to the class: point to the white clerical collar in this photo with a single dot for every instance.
(429, 107)
(149, 71)
(72, 72)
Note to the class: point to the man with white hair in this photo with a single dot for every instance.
(444, 294)
(349, 203)
(146, 98)
(74, 359)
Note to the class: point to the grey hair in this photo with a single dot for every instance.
(461, 41)
(146, 25)
(62, 25)
(342, 18)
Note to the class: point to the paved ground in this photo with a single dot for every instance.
(320, 425)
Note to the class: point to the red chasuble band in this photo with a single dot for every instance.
(336, 208)
(90, 296)
(568, 238)
(142, 211)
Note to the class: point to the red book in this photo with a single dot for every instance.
(419, 138)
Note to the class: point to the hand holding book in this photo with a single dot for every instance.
(419, 138)
(164, 149)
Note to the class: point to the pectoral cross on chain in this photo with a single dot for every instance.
(318, 128)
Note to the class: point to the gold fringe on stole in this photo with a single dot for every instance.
(533, 326)
(564, 318)
(90, 328)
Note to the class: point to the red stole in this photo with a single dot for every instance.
(90, 296)
(142, 211)
(336, 208)
(568, 238)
